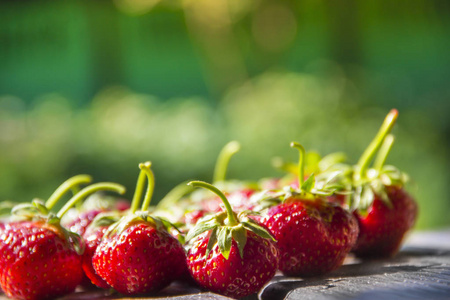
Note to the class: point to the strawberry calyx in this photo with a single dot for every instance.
(133, 216)
(368, 182)
(104, 219)
(314, 163)
(377, 179)
(326, 183)
(55, 220)
(37, 212)
(368, 154)
(226, 226)
(38, 209)
(312, 187)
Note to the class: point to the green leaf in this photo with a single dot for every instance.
(254, 227)
(26, 211)
(121, 225)
(40, 205)
(77, 242)
(224, 239)
(211, 242)
(309, 183)
(167, 224)
(323, 192)
(390, 175)
(380, 189)
(367, 197)
(239, 234)
(201, 227)
(105, 219)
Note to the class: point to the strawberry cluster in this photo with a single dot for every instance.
(230, 237)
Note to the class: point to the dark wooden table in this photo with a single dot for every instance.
(420, 271)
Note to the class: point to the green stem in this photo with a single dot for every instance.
(151, 184)
(102, 186)
(301, 163)
(65, 187)
(75, 189)
(383, 153)
(373, 147)
(138, 192)
(230, 214)
(172, 197)
(220, 170)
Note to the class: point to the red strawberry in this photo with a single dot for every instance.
(93, 237)
(313, 235)
(137, 255)
(78, 225)
(39, 259)
(231, 254)
(92, 240)
(384, 210)
(78, 219)
(384, 226)
(141, 259)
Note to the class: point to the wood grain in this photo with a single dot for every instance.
(420, 271)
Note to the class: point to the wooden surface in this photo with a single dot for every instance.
(420, 271)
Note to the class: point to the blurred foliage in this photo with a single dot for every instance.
(42, 145)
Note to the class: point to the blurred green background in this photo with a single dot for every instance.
(98, 86)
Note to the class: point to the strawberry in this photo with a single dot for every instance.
(137, 255)
(38, 262)
(384, 210)
(230, 254)
(383, 227)
(313, 235)
(93, 237)
(78, 219)
(39, 259)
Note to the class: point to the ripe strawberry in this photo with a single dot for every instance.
(78, 219)
(39, 259)
(384, 226)
(93, 237)
(137, 255)
(231, 254)
(313, 235)
(384, 210)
